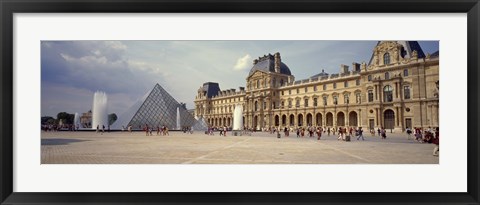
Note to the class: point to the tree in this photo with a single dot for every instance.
(66, 118)
(112, 118)
(47, 120)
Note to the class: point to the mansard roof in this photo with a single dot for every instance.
(267, 64)
(409, 47)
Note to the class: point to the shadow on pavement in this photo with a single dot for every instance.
(59, 141)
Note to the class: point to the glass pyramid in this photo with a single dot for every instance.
(160, 109)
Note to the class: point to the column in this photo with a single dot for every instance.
(396, 90)
(396, 116)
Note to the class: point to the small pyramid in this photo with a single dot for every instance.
(160, 109)
(200, 125)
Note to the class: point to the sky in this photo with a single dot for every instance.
(72, 71)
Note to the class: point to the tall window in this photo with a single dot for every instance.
(357, 82)
(256, 105)
(298, 90)
(345, 84)
(370, 95)
(405, 72)
(289, 92)
(369, 77)
(314, 88)
(324, 86)
(283, 104)
(258, 83)
(305, 103)
(387, 76)
(282, 92)
(324, 100)
(297, 103)
(281, 82)
(386, 59)
(306, 89)
(406, 92)
(289, 103)
(335, 100)
(315, 102)
(358, 98)
(346, 99)
(264, 105)
(334, 85)
(274, 82)
(387, 93)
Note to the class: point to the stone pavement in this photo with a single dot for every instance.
(198, 148)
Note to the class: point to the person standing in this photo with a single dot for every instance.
(436, 141)
(328, 131)
(360, 133)
(379, 132)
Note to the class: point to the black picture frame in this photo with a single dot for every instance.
(10, 7)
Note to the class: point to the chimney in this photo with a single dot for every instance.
(356, 66)
(278, 60)
(343, 68)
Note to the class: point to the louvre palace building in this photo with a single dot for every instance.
(396, 89)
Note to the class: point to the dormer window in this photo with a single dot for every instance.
(386, 59)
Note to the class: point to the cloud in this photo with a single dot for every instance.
(243, 62)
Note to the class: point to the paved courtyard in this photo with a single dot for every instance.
(198, 148)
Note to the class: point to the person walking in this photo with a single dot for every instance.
(328, 131)
(409, 132)
(379, 134)
(298, 132)
(319, 132)
(360, 133)
(340, 137)
(383, 133)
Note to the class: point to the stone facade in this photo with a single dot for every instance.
(398, 88)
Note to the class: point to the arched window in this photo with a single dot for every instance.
(386, 59)
(387, 76)
(388, 93)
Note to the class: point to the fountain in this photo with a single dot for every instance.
(178, 119)
(99, 110)
(76, 121)
(237, 119)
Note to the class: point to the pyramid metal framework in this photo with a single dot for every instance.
(160, 109)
